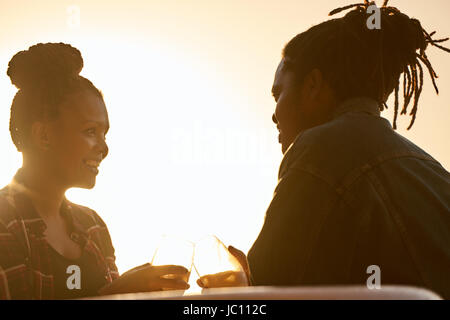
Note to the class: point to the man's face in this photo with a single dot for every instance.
(300, 104)
(287, 114)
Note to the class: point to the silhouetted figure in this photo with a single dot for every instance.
(51, 248)
(352, 192)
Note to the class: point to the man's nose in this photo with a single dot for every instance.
(274, 119)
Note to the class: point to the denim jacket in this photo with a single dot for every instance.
(353, 193)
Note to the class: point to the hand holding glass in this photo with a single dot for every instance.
(174, 251)
(216, 266)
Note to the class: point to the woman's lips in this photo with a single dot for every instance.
(93, 170)
(92, 165)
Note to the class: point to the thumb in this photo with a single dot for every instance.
(240, 256)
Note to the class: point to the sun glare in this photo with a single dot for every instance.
(193, 150)
(177, 143)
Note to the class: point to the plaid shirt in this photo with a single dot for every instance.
(25, 264)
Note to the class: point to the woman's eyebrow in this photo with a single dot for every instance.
(97, 123)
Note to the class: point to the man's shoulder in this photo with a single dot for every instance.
(334, 141)
(350, 141)
(347, 130)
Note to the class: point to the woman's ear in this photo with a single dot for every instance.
(40, 135)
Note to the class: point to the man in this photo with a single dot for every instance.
(352, 193)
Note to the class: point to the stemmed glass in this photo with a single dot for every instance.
(213, 257)
(174, 251)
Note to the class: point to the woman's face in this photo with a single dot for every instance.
(77, 140)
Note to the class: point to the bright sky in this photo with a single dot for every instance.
(193, 150)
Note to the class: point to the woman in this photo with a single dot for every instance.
(51, 248)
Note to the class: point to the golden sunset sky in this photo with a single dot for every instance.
(193, 150)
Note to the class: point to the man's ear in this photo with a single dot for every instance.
(40, 135)
(313, 84)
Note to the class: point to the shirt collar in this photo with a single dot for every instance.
(26, 209)
(358, 104)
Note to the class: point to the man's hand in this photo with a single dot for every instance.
(242, 259)
(223, 279)
(147, 278)
(228, 278)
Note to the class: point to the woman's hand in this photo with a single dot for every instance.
(228, 278)
(148, 278)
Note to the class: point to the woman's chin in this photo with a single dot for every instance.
(87, 184)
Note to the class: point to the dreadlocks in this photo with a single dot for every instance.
(357, 61)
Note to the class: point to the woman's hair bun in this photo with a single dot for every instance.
(44, 63)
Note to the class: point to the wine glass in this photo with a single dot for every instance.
(213, 258)
(174, 251)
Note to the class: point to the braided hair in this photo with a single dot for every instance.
(45, 75)
(358, 61)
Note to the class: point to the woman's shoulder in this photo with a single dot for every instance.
(88, 220)
(7, 205)
(84, 215)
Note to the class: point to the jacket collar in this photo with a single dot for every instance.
(358, 104)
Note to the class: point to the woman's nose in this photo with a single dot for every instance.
(104, 149)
